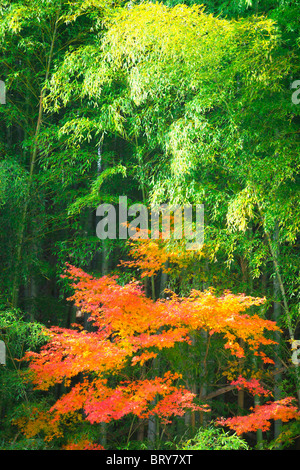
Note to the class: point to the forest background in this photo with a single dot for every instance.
(167, 102)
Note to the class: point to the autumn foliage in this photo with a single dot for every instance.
(261, 415)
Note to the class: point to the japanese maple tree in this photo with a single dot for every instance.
(130, 329)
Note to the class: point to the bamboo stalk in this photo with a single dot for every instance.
(15, 283)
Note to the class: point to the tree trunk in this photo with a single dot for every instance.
(152, 420)
(276, 316)
(153, 426)
(34, 154)
(275, 257)
(259, 434)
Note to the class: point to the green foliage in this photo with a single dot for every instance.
(93, 198)
(195, 97)
(287, 438)
(25, 444)
(18, 334)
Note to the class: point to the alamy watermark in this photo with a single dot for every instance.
(296, 352)
(295, 95)
(2, 92)
(164, 221)
(2, 353)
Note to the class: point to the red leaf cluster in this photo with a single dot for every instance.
(253, 386)
(261, 416)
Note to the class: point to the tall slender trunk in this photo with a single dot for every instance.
(281, 288)
(153, 425)
(204, 383)
(276, 316)
(204, 386)
(275, 256)
(259, 434)
(152, 420)
(104, 269)
(163, 281)
(245, 278)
